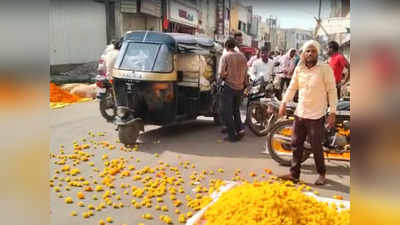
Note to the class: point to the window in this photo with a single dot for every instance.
(242, 26)
(147, 57)
(164, 60)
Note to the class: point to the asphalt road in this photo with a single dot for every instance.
(199, 142)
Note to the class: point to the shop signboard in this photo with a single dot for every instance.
(179, 13)
(151, 7)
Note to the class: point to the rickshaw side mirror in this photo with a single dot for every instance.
(180, 76)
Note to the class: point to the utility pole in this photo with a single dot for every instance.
(108, 30)
(319, 22)
(319, 11)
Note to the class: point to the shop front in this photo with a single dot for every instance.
(182, 19)
(140, 15)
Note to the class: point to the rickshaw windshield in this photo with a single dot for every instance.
(147, 57)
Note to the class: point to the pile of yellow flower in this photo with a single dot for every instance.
(272, 203)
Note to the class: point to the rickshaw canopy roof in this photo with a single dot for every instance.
(152, 37)
(175, 41)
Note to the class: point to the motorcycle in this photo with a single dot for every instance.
(263, 106)
(105, 95)
(336, 140)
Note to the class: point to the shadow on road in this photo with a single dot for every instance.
(203, 138)
(335, 170)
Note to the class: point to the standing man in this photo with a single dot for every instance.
(238, 39)
(337, 62)
(233, 71)
(286, 70)
(316, 83)
(238, 42)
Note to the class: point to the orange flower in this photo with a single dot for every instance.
(338, 197)
(80, 195)
(268, 171)
(88, 189)
(59, 95)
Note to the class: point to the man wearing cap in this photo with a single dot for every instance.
(315, 82)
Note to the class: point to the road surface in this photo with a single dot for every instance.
(199, 142)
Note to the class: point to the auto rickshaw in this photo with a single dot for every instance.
(163, 78)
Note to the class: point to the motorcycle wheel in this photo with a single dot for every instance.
(258, 119)
(128, 134)
(279, 151)
(107, 107)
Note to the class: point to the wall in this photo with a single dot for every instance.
(293, 41)
(77, 31)
(138, 21)
(254, 26)
(234, 20)
(208, 18)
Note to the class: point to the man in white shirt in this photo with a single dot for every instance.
(316, 85)
(262, 67)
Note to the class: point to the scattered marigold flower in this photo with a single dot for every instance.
(147, 216)
(338, 197)
(99, 188)
(68, 200)
(268, 171)
(80, 195)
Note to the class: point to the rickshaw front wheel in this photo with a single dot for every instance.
(128, 134)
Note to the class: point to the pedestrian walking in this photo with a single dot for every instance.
(286, 70)
(316, 85)
(233, 71)
(337, 62)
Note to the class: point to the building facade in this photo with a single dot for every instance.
(208, 18)
(223, 15)
(295, 38)
(240, 20)
(77, 31)
(138, 15)
(263, 31)
(183, 16)
(80, 29)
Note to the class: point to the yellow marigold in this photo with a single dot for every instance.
(147, 216)
(273, 204)
(68, 200)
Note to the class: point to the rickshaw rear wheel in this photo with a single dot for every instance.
(128, 134)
